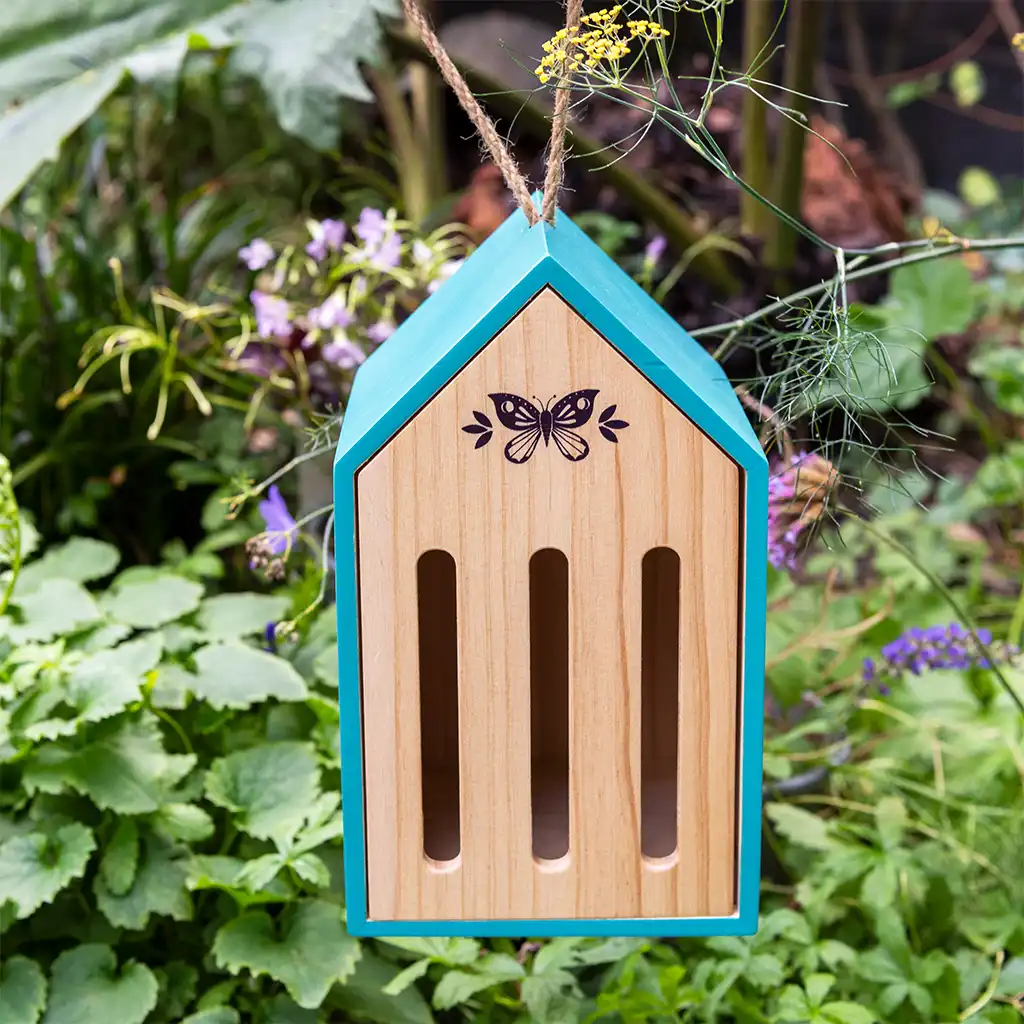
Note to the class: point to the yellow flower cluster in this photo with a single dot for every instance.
(1018, 40)
(606, 41)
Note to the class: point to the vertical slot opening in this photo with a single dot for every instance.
(659, 689)
(549, 703)
(439, 704)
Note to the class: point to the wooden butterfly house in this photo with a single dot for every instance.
(551, 552)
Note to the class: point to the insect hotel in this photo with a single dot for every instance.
(551, 549)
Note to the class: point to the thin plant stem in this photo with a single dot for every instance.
(979, 245)
(427, 104)
(806, 18)
(948, 596)
(757, 24)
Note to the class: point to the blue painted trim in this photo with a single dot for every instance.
(616, 307)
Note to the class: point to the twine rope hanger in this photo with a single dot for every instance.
(492, 141)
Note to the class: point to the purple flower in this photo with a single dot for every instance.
(371, 226)
(387, 253)
(380, 331)
(257, 254)
(272, 316)
(279, 522)
(270, 636)
(262, 361)
(918, 650)
(327, 237)
(332, 312)
(443, 273)
(655, 250)
(344, 354)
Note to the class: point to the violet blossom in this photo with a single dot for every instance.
(786, 521)
(280, 523)
(332, 312)
(257, 254)
(371, 226)
(328, 236)
(273, 319)
(343, 353)
(380, 331)
(654, 250)
(918, 650)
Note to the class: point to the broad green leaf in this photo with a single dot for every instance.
(880, 885)
(121, 858)
(125, 769)
(400, 982)
(35, 867)
(87, 987)
(158, 888)
(187, 822)
(82, 559)
(445, 951)
(150, 602)
(308, 951)
(217, 1015)
(891, 815)
(22, 991)
(842, 1012)
(178, 982)
(270, 789)
(307, 58)
(235, 676)
(101, 685)
(931, 299)
(800, 827)
(171, 687)
(232, 616)
(456, 987)
(362, 995)
(282, 1010)
(215, 872)
(877, 965)
(61, 64)
(793, 1005)
(817, 987)
(55, 608)
(1011, 978)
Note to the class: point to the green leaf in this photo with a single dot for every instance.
(81, 559)
(1011, 978)
(308, 953)
(846, 1013)
(891, 815)
(401, 981)
(187, 822)
(457, 987)
(177, 981)
(880, 885)
(121, 858)
(55, 608)
(101, 685)
(301, 52)
(452, 951)
(235, 676)
(125, 769)
(282, 1010)
(151, 600)
(818, 986)
(35, 867)
(217, 1015)
(86, 987)
(171, 687)
(362, 995)
(800, 827)
(878, 965)
(931, 299)
(307, 58)
(232, 616)
(270, 789)
(967, 83)
(214, 872)
(22, 991)
(158, 888)
(793, 1006)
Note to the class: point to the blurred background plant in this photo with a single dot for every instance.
(213, 211)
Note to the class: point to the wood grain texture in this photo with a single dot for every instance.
(663, 484)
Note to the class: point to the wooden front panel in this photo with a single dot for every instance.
(662, 484)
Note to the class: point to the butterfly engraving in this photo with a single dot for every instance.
(557, 423)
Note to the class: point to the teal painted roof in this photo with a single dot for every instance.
(494, 283)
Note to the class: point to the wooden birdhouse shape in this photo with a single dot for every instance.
(551, 553)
